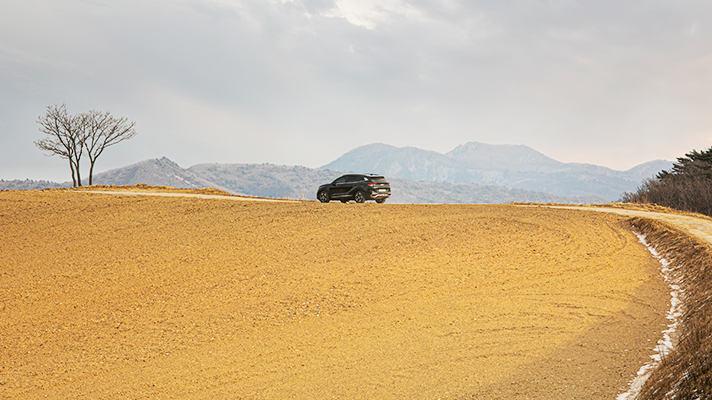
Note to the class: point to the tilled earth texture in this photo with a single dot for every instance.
(119, 296)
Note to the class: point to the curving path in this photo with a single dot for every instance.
(698, 227)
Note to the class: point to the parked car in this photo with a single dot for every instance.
(356, 187)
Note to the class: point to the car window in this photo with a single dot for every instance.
(340, 180)
(352, 178)
(379, 179)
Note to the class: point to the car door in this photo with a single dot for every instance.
(340, 187)
(353, 184)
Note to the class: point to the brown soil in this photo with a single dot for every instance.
(125, 296)
(145, 189)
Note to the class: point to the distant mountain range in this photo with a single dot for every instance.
(278, 181)
(512, 166)
(471, 173)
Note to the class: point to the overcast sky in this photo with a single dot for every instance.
(301, 82)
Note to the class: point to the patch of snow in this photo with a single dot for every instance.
(666, 343)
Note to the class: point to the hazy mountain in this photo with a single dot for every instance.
(648, 169)
(29, 184)
(502, 157)
(407, 191)
(266, 180)
(519, 167)
(402, 162)
(158, 171)
(470, 173)
(296, 182)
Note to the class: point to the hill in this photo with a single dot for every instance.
(296, 182)
(519, 167)
(265, 180)
(29, 184)
(159, 171)
(126, 297)
(470, 173)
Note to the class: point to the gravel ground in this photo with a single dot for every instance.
(128, 296)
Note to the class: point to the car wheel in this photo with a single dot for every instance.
(323, 197)
(380, 201)
(359, 197)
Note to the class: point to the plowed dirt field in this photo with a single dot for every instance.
(108, 296)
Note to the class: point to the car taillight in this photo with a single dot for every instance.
(372, 184)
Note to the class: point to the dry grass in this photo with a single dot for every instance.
(686, 372)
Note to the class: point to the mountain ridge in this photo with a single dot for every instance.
(297, 182)
(513, 166)
(470, 173)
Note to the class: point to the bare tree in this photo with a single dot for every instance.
(65, 137)
(101, 131)
(71, 136)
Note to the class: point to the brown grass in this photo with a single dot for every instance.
(686, 372)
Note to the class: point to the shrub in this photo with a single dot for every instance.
(687, 186)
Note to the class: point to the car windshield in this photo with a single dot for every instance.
(379, 179)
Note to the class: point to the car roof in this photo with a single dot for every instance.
(367, 175)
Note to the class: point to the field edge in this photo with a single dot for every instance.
(684, 372)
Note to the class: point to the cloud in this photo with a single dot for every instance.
(371, 13)
(302, 81)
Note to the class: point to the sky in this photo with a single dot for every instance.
(300, 82)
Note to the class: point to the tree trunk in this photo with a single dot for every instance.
(79, 178)
(74, 179)
(91, 170)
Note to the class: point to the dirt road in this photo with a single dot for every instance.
(128, 296)
(697, 226)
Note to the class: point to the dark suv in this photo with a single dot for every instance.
(356, 187)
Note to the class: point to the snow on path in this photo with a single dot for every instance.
(666, 343)
(700, 228)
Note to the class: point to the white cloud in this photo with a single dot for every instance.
(371, 13)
